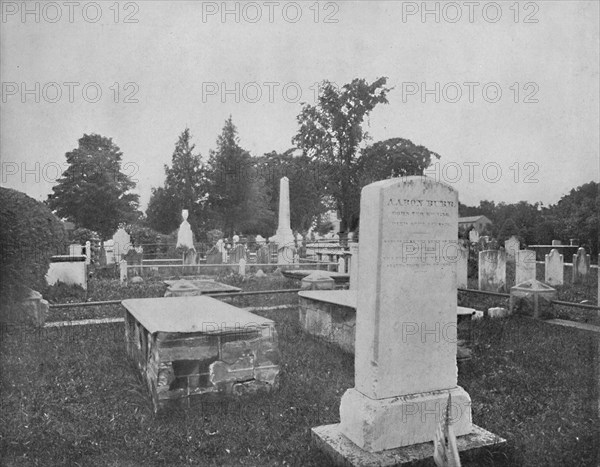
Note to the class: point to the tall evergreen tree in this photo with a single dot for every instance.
(237, 198)
(93, 192)
(185, 188)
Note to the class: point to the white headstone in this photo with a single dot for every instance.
(525, 266)
(492, 270)
(405, 357)
(473, 236)
(121, 244)
(581, 266)
(353, 265)
(185, 237)
(554, 268)
(88, 252)
(242, 267)
(511, 246)
(462, 266)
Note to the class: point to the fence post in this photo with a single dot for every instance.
(123, 270)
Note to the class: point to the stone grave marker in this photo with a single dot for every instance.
(581, 266)
(121, 244)
(407, 242)
(263, 255)
(525, 266)
(554, 270)
(492, 270)
(462, 267)
(353, 266)
(237, 253)
(473, 236)
(511, 246)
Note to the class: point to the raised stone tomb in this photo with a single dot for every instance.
(330, 315)
(189, 346)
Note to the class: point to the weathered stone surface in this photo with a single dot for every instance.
(462, 267)
(525, 265)
(581, 266)
(492, 270)
(318, 280)
(344, 453)
(200, 346)
(407, 281)
(511, 246)
(554, 268)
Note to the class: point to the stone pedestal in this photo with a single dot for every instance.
(380, 424)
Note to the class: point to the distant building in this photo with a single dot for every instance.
(477, 222)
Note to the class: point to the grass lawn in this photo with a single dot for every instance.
(71, 397)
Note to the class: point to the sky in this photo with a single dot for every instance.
(506, 92)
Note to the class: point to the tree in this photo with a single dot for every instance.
(237, 199)
(576, 215)
(331, 132)
(93, 192)
(185, 187)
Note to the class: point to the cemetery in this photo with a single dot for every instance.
(346, 357)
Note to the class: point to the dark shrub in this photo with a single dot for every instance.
(29, 235)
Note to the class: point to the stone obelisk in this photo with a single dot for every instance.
(284, 237)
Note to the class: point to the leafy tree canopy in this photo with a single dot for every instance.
(93, 192)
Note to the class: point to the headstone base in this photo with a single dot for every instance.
(380, 424)
(343, 452)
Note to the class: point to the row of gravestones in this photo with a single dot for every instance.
(492, 268)
(266, 254)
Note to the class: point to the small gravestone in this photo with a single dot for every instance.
(492, 270)
(473, 236)
(263, 255)
(121, 244)
(237, 253)
(511, 246)
(554, 270)
(214, 256)
(525, 266)
(462, 267)
(353, 266)
(556, 243)
(581, 266)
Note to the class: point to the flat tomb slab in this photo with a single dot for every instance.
(338, 277)
(190, 314)
(344, 452)
(207, 286)
(191, 346)
(331, 315)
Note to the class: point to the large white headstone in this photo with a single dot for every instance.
(405, 358)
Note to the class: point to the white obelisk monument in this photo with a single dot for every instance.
(284, 237)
